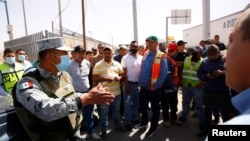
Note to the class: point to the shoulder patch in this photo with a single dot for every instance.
(26, 85)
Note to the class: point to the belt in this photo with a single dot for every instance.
(81, 92)
(132, 82)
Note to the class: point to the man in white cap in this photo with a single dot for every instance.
(123, 49)
(45, 100)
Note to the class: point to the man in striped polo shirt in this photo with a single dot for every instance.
(109, 72)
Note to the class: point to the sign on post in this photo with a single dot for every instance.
(182, 16)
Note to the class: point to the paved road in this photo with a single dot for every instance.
(185, 132)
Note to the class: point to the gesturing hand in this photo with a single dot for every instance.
(98, 95)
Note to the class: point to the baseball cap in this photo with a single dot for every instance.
(53, 42)
(89, 51)
(107, 48)
(198, 49)
(79, 48)
(94, 48)
(172, 46)
(124, 47)
(181, 42)
(152, 38)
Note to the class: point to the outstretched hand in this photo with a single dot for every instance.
(98, 95)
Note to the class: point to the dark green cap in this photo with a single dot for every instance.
(153, 38)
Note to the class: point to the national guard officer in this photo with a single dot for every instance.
(45, 100)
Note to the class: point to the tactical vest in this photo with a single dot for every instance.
(156, 67)
(189, 76)
(57, 130)
(175, 75)
(10, 75)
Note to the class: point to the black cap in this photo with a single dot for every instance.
(79, 48)
(181, 42)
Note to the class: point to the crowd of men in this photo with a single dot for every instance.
(155, 76)
(131, 87)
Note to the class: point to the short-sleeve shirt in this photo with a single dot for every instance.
(79, 74)
(133, 65)
(104, 69)
(180, 56)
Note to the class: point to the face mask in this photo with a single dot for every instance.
(21, 57)
(133, 51)
(206, 47)
(65, 60)
(11, 60)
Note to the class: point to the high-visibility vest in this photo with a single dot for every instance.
(156, 66)
(189, 76)
(10, 75)
(175, 75)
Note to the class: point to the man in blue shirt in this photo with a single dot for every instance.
(123, 49)
(237, 69)
(212, 72)
(153, 74)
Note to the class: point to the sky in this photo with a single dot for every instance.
(110, 21)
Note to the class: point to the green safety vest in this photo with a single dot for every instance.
(189, 76)
(10, 75)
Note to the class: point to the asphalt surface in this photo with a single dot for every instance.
(185, 132)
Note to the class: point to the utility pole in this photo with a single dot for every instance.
(24, 16)
(167, 30)
(206, 19)
(83, 25)
(60, 18)
(135, 21)
(9, 27)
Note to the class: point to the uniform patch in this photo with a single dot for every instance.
(26, 85)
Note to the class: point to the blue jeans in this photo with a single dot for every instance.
(104, 110)
(87, 112)
(131, 103)
(187, 95)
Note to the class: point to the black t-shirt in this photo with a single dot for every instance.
(180, 56)
(221, 46)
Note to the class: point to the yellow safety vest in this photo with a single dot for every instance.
(10, 75)
(189, 76)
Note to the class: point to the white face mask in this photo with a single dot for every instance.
(21, 57)
(11, 60)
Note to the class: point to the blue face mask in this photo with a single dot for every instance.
(10, 60)
(21, 57)
(206, 47)
(64, 64)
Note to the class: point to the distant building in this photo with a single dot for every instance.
(221, 26)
